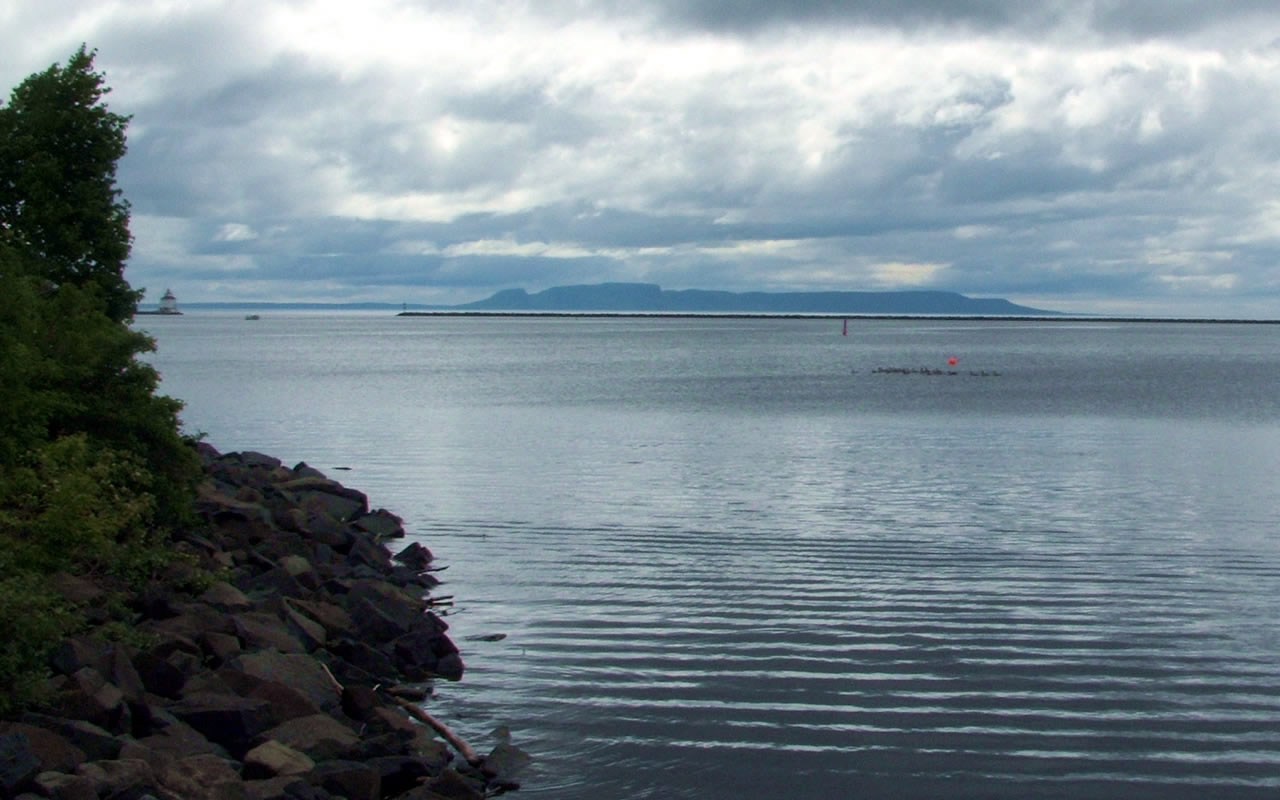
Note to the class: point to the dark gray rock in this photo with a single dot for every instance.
(286, 702)
(297, 670)
(203, 777)
(271, 759)
(335, 619)
(118, 778)
(358, 702)
(415, 556)
(381, 525)
(77, 652)
(158, 676)
(55, 753)
(250, 458)
(93, 740)
(320, 736)
(61, 785)
(18, 763)
(257, 630)
(88, 696)
(229, 720)
(350, 779)
(399, 774)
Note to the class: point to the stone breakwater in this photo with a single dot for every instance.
(303, 673)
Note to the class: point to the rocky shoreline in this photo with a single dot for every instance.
(298, 672)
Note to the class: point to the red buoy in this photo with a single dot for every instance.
(953, 361)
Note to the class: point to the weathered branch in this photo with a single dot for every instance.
(439, 727)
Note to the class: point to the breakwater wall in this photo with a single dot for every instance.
(287, 655)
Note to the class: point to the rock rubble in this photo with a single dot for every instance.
(283, 678)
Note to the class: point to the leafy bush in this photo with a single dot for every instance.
(94, 470)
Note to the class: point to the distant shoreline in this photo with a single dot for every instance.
(829, 316)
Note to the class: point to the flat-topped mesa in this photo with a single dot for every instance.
(284, 670)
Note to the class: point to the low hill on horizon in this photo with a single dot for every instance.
(649, 297)
(640, 298)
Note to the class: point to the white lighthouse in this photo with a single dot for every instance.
(168, 303)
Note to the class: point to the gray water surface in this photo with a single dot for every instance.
(734, 560)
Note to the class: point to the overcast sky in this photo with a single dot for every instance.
(1119, 157)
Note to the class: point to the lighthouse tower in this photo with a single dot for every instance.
(169, 303)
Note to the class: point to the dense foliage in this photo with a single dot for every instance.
(93, 467)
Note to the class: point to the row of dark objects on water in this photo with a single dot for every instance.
(930, 371)
(289, 678)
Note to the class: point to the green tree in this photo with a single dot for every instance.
(59, 203)
(94, 470)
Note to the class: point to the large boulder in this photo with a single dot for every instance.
(203, 777)
(227, 719)
(297, 670)
(320, 736)
(272, 759)
(349, 779)
(53, 752)
(18, 763)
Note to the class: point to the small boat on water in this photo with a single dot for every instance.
(252, 316)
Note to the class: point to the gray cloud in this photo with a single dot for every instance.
(1118, 153)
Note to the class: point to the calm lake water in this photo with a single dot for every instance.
(732, 559)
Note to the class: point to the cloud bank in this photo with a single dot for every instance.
(1100, 156)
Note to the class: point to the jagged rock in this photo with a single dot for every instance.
(428, 652)
(289, 787)
(450, 666)
(381, 525)
(415, 556)
(358, 702)
(120, 671)
(257, 630)
(322, 528)
(505, 763)
(133, 749)
(77, 652)
(54, 753)
(369, 660)
(303, 470)
(209, 682)
(367, 553)
(349, 779)
(272, 759)
(448, 784)
(112, 777)
(376, 622)
(399, 774)
(225, 597)
(251, 458)
(320, 736)
(179, 740)
(394, 721)
(220, 507)
(220, 647)
(274, 582)
(335, 619)
(229, 720)
(299, 671)
(353, 503)
(158, 676)
(307, 631)
(60, 785)
(89, 696)
(286, 702)
(93, 740)
(203, 777)
(18, 763)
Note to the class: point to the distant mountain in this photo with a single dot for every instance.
(648, 297)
